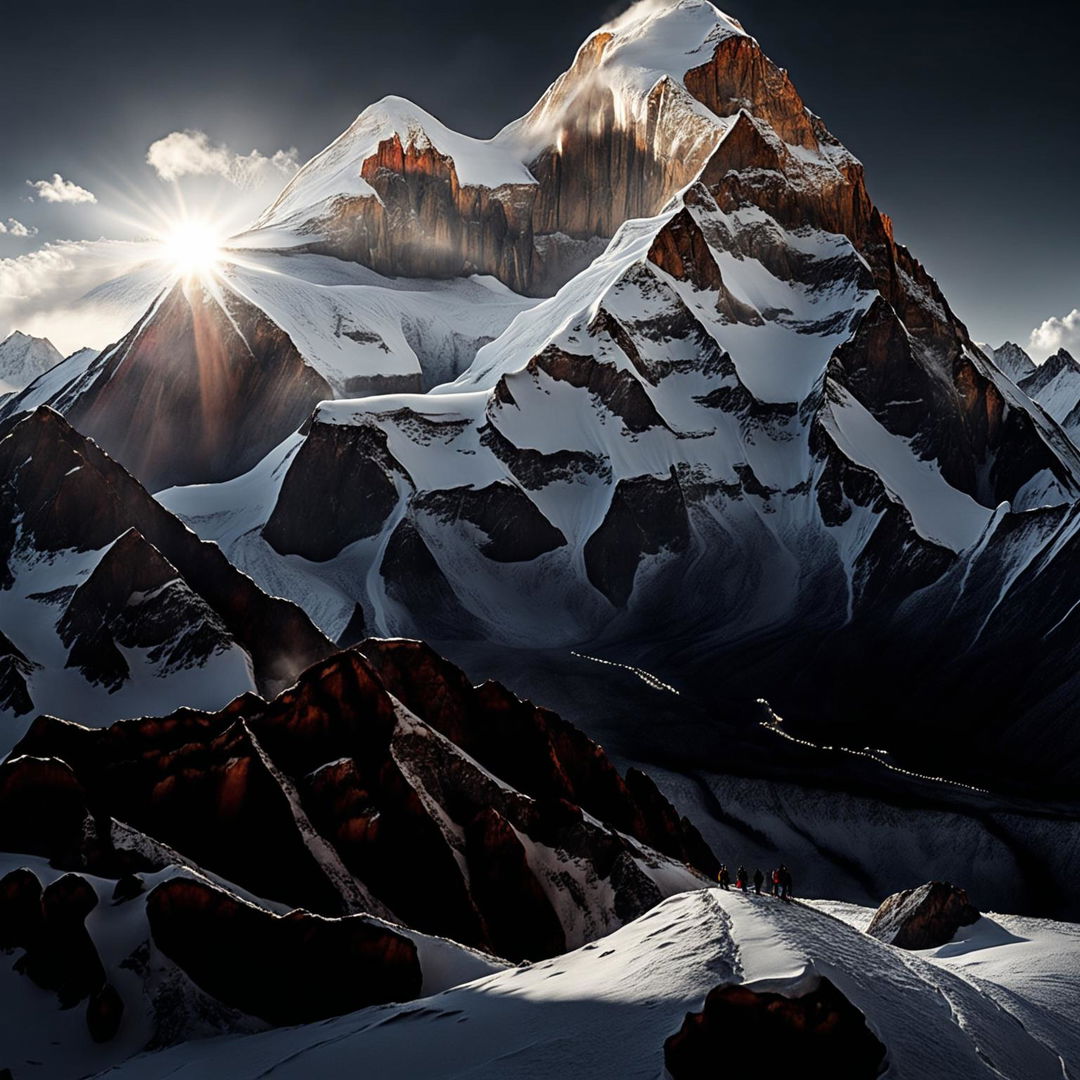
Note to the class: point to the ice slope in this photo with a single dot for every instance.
(975, 1009)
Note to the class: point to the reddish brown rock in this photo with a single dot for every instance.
(269, 794)
(923, 918)
(532, 748)
(43, 807)
(818, 1034)
(290, 969)
(104, 1013)
(520, 920)
(21, 913)
(63, 956)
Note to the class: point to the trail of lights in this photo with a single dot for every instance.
(774, 724)
(646, 677)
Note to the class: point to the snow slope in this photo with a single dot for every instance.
(350, 323)
(998, 1003)
(162, 1004)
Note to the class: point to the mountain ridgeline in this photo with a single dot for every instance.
(745, 434)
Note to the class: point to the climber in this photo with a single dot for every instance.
(775, 887)
(785, 882)
(741, 878)
(759, 879)
(723, 877)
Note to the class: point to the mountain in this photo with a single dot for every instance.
(109, 605)
(1055, 385)
(23, 358)
(223, 367)
(287, 861)
(1012, 360)
(639, 409)
(613, 139)
(750, 438)
(708, 976)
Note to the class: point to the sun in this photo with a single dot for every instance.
(192, 247)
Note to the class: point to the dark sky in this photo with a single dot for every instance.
(965, 114)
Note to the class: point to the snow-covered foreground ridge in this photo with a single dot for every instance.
(999, 1001)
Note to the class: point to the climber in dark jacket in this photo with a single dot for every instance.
(759, 879)
(742, 879)
(785, 882)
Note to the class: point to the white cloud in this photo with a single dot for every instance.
(191, 153)
(1054, 334)
(59, 190)
(42, 292)
(17, 229)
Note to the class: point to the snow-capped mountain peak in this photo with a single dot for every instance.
(23, 358)
(1011, 359)
(339, 171)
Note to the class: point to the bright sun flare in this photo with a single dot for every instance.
(192, 247)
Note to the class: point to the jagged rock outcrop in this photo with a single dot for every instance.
(818, 1032)
(311, 799)
(924, 917)
(59, 953)
(287, 969)
(344, 487)
(89, 560)
(44, 807)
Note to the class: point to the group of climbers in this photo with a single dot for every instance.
(780, 884)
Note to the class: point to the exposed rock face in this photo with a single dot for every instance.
(515, 530)
(290, 969)
(312, 799)
(819, 1033)
(533, 749)
(15, 670)
(236, 387)
(423, 222)
(59, 953)
(646, 516)
(342, 490)
(170, 600)
(135, 599)
(104, 1013)
(44, 807)
(924, 917)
